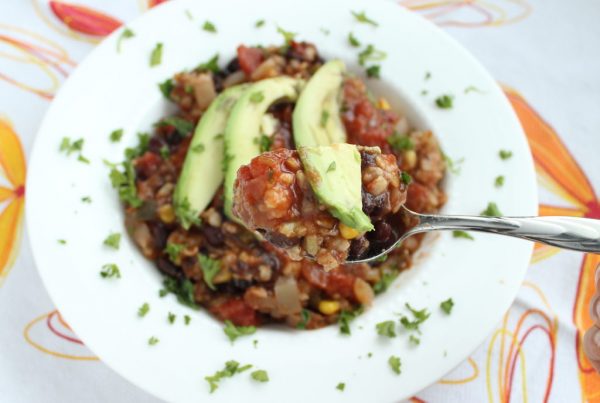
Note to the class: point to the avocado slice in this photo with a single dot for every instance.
(334, 173)
(316, 118)
(202, 173)
(243, 128)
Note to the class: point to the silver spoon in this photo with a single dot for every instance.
(580, 234)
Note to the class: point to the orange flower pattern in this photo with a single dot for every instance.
(12, 196)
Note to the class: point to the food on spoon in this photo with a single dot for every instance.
(309, 201)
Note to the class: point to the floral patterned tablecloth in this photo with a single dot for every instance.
(546, 56)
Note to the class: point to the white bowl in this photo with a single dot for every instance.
(111, 90)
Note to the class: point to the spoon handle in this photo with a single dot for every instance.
(581, 234)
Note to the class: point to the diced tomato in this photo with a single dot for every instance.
(147, 164)
(332, 282)
(236, 310)
(417, 198)
(179, 156)
(365, 123)
(249, 58)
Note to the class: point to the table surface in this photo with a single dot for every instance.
(546, 56)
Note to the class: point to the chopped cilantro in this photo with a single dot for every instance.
(198, 148)
(183, 126)
(472, 88)
(113, 240)
(186, 216)
(259, 23)
(188, 14)
(164, 152)
(233, 332)
(124, 181)
(394, 363)
(260, 375)
(331, 167)
(420, 316)
(427, 75)
(370, 53)
(264, 142)
(362, 18)
(163, 292)
(373, 71)
(256, 97)
(116, 135)
(304, 319)
(406, 178)
(171, 317)
(110, 270)
(255, 343)
(341, 386)
(499, 181)
(424, 92)
(386, 280)
(143, 310)
(210, 268)
(231, 368)
(447, 306)
(173, 250)
(400, 142)
(287, 35)
(370, 355)
(324, 118)
(86, 199)
(491, 210)
(325, 31)
(346, 317)
(444, 101)
(505, 154)
(353, 41)
(62, 242)
(386, 328)
(153, 341)
(211, 65)
(183, 289)
(381, 259)
(414, 340)
(166, 87)
(69, 147)
(187, 319)
(462, 234)
(156, 55)
(209, 27)
(126, 34)
(453, 166)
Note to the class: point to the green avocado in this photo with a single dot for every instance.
(316, 118)
(243, 130)
(202, 174)
(334, 173)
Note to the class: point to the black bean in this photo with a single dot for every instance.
(367, 159)
(155, 144)
(382, 232)
(168, 268)
(232, 66)
(241, 284)
(159, 234)
(358, 247)
(280, 240)
(213, 235)
(272, 261)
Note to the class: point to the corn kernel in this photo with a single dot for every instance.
(166, 214)
(347, 232)
(329, 307)
(409, 159)
(384, 104)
